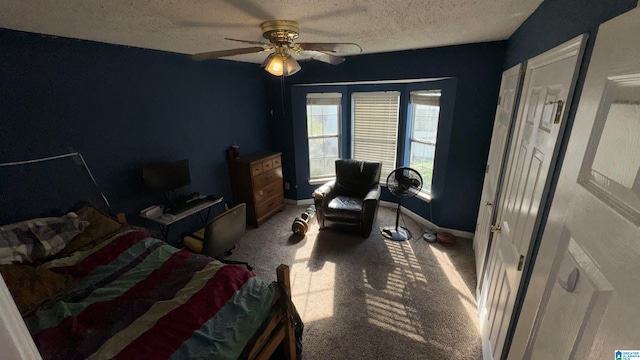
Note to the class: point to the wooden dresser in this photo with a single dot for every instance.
(256, 179)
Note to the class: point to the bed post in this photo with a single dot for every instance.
(289, 343)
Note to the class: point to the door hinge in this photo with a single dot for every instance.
(499, 99)
(559, 108)
(487, 169)
(521, 262)
(495, 228)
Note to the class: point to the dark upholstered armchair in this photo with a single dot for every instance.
(353, 197)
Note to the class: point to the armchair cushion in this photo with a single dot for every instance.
(347, 207)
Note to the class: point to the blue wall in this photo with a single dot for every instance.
(124, 107)
(556, 21)
(476, 69)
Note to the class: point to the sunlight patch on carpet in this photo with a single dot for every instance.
(386, 292)
(467, 298)
(313, 292)
(391, 315)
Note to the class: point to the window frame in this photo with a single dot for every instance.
(298, 181)
(411, 118)
(323, 99)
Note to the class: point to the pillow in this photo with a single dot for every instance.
(101, 227)
(17, 245)
(37, 239)
(30, 287)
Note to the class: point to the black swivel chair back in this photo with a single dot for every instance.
(220, 236)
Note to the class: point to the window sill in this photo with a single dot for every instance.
(321, 181)
(424, 197)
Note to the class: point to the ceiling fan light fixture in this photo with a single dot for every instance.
(274, 64)
(281, 64)
(291, 66)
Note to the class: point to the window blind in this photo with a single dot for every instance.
(324, 98)
(430, 98)
(375, 128)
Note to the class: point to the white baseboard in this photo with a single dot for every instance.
(299, 202)
(426, 224)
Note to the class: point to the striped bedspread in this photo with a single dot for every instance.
(139, 298)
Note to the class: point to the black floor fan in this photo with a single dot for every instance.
(403, 182)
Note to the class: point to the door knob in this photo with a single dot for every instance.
(496, 228)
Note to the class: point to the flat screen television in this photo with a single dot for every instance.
(165, 177)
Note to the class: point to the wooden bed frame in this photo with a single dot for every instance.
(280, 328)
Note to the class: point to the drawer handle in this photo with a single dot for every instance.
(270, 191)
(269, 177)
(271, 204)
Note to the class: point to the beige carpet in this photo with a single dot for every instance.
(372, 298)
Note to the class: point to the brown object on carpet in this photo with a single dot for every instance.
(372, 298)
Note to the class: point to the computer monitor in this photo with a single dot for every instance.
(164, 177)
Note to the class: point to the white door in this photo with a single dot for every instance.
(583, 298)
(509, 94)
(548, 83)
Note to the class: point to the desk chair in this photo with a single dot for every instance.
(220, 236)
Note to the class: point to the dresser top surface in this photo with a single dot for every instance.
(257, 156)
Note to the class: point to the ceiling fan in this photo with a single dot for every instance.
(282, 35)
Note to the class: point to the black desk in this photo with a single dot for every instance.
(165, 220)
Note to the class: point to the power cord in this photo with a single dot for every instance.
(405, 227)
(430, 235)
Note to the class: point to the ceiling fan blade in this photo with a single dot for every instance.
(250, 42)
(222, 53)
(340, 48)
(320, 56)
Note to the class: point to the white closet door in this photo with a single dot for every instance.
(509, 94)
(548, 85)
(582, 301)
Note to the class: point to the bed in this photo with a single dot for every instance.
(89, 286)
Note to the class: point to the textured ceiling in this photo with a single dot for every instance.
(193, 26)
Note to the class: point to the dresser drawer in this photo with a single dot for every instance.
(256, 169)
(277, 162)
(274, 203)
(267, 192)
(267, 165)
(267, 178)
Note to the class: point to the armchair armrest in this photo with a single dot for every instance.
(324, 190)
(373, 194)
(319, 196)
(370, 210)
